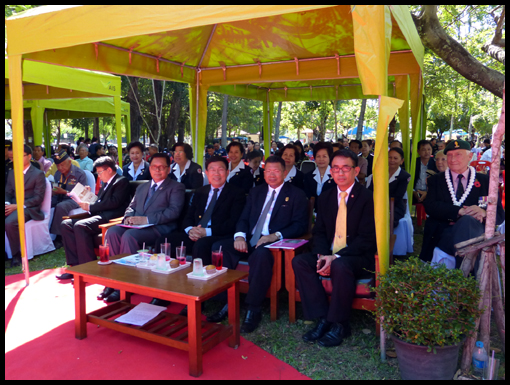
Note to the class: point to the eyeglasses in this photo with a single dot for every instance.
(273, 172)
(100, 172)
(345, 169)
(158, 168)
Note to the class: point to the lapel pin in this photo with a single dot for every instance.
(286, 199)
(352, 196)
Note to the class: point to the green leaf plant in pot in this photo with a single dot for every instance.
(428, 312)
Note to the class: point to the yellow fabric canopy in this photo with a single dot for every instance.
(253, 51)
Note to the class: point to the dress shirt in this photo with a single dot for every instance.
(177, 170)
(131, 170)
(464, 180)
(45, 163)
(265, 229)
(239, 167)
(348, 191)
(291, 174)
(86, 163)
(208, 231)
(325, 178)
(421, 184)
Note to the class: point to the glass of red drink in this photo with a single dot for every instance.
(180, 254)
(217, 259)
(104, 253)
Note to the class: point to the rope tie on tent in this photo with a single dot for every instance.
(336, 92)
(260, 67)
(47, 90)
(199, 71)
(337, 64)
(311, 89)
(182, 69)
(130, 51)
(224, 68)
(297, 65)
(285, 88)
(157, 63)
(96, 48)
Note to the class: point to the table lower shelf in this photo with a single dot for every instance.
(167, 329)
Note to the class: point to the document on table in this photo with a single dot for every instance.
(140, 314)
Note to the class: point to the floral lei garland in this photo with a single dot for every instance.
(472, 176)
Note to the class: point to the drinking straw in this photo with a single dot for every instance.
(105, 242)
(220, 248)
(143, 247)
(182, 244)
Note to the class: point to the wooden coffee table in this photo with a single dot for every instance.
(185, 333)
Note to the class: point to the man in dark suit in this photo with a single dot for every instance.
(35, 187)
(273, 211)
(344, 238)
(158, 203)
(113, 198)
(455, 205)
(212, 216)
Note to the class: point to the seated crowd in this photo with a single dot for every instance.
(242, 207)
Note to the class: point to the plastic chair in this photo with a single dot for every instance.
(307, 166)
(481, 165)
(37, 233)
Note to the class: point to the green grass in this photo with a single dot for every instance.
(358, 358)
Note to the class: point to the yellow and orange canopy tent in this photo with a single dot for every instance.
(242, 50)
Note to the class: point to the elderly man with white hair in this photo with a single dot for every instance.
(456, 202)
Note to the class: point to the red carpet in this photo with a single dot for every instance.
(40, 343)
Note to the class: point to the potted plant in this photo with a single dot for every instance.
(427, 311)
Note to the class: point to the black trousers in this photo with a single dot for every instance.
(12, 231)
(344, 273)
(202, 248)
(78, 238)
(465, 228)
(261, 263)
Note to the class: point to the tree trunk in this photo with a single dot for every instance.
(224, 122)
(136, 119)
(174, 116)
(58, 132)
(391, 131)
(95, 130)
(87, 131)
(359, 133)
(434, 37)
(277, 123)
(29, 133)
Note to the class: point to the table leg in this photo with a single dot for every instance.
(80, 315)
(233, 316)
(195, 338)
(290, 284)
(125, 296)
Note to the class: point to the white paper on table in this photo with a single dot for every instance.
(141, 314)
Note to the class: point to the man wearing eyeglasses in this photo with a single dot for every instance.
(78, 231)
(344, 246)
(157, 204)
(273, 211)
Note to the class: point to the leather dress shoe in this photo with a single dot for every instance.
(15, 261)
(335, 335)
(114, 297)
(318, 331)
(105, 293)
(65, 276)
(219, 316)
(251, 322)
(160, 302)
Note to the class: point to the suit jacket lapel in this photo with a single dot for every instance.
(102, 192)
(353, 197)
(284, 193)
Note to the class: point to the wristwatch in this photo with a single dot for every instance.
(278, 235)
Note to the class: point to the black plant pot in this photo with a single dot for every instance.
(415, 363)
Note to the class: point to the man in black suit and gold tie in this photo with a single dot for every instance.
(343, 237)
(273, 211)
(35, 188)
(113, 198)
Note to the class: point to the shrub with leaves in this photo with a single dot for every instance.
(425, 305)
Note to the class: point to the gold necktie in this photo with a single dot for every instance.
(341, 225)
